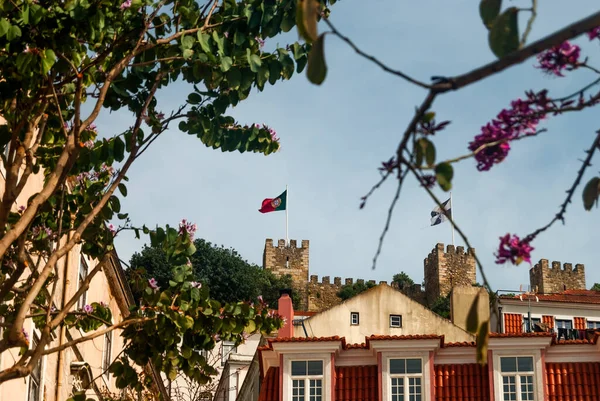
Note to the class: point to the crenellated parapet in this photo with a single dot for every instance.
(322, 294)
(546, 278)
(444, 270)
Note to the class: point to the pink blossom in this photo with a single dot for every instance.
(26, 334)
(153, 284)
(89, 144)
(196, 284)
(88, 309)
(261, 42)
(558, 58)
(594, 33)
(125, 5)
(112, 230)
(514, 250)
(21, 209)
(187, 227)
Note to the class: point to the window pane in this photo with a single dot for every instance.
(315, 368)
(525, 364)
(297, 390)
(527, 388)
(414, 388)
(315, 389)
(508, 364)
(397, 366)
(398, 389)
(509, 388)
(413, 366)
(298, 368)
(564, 324)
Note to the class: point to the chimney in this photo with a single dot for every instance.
(286, 310)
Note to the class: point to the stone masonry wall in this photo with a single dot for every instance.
(283, 260)
(323, 295)
(445, 270)
(547, 280)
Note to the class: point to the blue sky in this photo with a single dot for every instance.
(335, 136)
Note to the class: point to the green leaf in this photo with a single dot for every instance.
(427, 150)
(4, 26)
(504, 35)
(427, 117)
(187, 42)
(203, 39)
(13, 33)
(444, 173)
(254, 61)
(317, 68)
(234, 77)
(122, 189)
(194, 98)
(48, 60)
(119, 149)
(226, 63)
(489, 10)
(591, 193)
(472, 317)
(306, 19)
(419, 154)
(483, 335)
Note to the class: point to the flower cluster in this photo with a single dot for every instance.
(196, 284)
(112, 229)
(594, 33)
(187, 227)
(492, 145)
(125, 5)
(38, 230)
(558, 58)
(88, 308)
(261, 42)
(153, 284)
(94, 176)
(514, 250)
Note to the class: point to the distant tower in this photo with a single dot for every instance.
(444, 271)
(547, 280)
(283, 260)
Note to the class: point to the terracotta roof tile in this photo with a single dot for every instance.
(405, 337)
(357, 346)
(305, 339)
(508, 335)
(513, 323)
(579, 323)
(461, 382)
(461, 344)
(573, 381)
(356, 383)
(269, 389)
(548, 321)
(574, 296)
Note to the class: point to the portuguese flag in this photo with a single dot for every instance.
(274, 204)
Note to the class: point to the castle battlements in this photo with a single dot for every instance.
(281, 244)
(546, 278)
(445, 270)
(337, 281)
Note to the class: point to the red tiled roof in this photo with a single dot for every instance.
(516, 335)
(306, 339)
(573, 381)
(513, 323)
(304, 313)
(356, 383)
(461, 382)
(357, 346)
(405, 337)
(461, 344)
(574, 296)
(269, 389)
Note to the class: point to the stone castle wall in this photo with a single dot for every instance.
(546, 279)
(323, 294)
(283, 260)
(446, 270)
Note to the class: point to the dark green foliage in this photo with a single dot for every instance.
(351, 290)
(402, 280)
(228, 276)
(595, 287)
(441, 306)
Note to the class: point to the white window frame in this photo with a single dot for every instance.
(595, 324)
(392, 316)
(81, 302)
(353, 321)
(386, 376)
(288, 357)
(107, 355)
(307, 379)
(518, 376)
(232, 350)
(538, 385)
(556, 322)
(405, 377)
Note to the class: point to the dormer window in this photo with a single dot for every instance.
(406, 379)
(518, 378)
(307, 380)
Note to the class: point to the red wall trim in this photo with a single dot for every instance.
(490, 361)
(431, 376)
(379, 379)
(543, 373)
(333, 378)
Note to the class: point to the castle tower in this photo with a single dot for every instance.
(283, 260)
(547, 280)
(446, 270)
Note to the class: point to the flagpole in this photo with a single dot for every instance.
(451, 214)
(287, 206)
